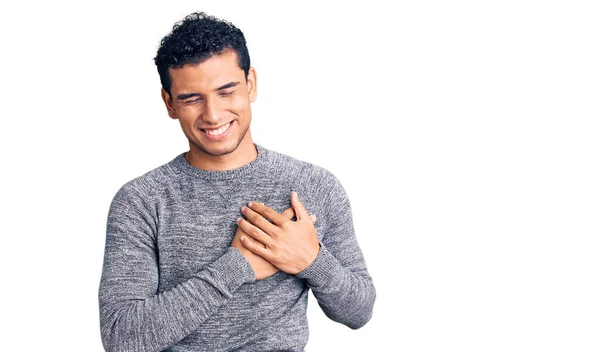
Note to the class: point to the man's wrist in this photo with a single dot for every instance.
(322, 269)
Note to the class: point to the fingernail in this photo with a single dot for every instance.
(243, 208)
(250, 204)
(238, 220)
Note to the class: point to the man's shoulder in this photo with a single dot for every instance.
(289, 163)
(149, 182)
(306, 172)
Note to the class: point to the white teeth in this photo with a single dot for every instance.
(219, 131)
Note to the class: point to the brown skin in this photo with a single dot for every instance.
(218, 93)
(291, 246)
(212, 108)
(262, 268)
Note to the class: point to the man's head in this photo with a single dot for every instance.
(208, 84)
(196, 38)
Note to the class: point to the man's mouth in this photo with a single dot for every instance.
(217, 131)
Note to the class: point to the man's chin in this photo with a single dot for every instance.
(218, 150)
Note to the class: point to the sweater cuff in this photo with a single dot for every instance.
(234, 269)
(321, 271)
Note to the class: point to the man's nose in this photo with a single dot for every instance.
(211, 111)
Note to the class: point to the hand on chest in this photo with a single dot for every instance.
(198, 229)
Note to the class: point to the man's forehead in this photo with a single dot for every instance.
(209, 74)
(192, 78)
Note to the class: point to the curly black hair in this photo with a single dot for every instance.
(195, 39)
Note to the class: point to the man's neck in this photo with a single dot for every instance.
(244, 154)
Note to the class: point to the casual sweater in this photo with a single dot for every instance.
(171, 280)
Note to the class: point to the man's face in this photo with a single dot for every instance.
(212, 100)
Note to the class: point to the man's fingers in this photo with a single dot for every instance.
(298, 207)
(254, 232)
(288, 213)
(267, 212)
(258, 220)
(254, 246)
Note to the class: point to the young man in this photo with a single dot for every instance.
(214, 251)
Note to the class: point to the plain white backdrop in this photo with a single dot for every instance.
(465, 133)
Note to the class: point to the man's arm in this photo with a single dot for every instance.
(334, 269)
(133, 317)
(338, 276)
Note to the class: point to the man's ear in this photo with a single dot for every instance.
(251, 84)
(168, 103)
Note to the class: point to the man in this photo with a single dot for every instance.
(215, 251)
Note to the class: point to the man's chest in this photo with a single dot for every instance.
(195, 228)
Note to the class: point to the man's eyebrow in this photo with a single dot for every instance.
(228, 85)
(186, 96)
(190, 95)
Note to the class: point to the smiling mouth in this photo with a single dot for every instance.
(217, 132)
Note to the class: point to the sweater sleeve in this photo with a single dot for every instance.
(338, 276)
(133, 315)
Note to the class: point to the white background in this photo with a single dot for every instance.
(465, 133)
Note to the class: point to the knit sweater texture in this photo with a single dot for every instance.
(172, 282)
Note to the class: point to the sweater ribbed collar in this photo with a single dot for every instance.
(180, 164)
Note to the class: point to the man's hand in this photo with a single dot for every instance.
(288, 245)
(262, 268)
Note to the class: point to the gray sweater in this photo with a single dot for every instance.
(171, 281)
